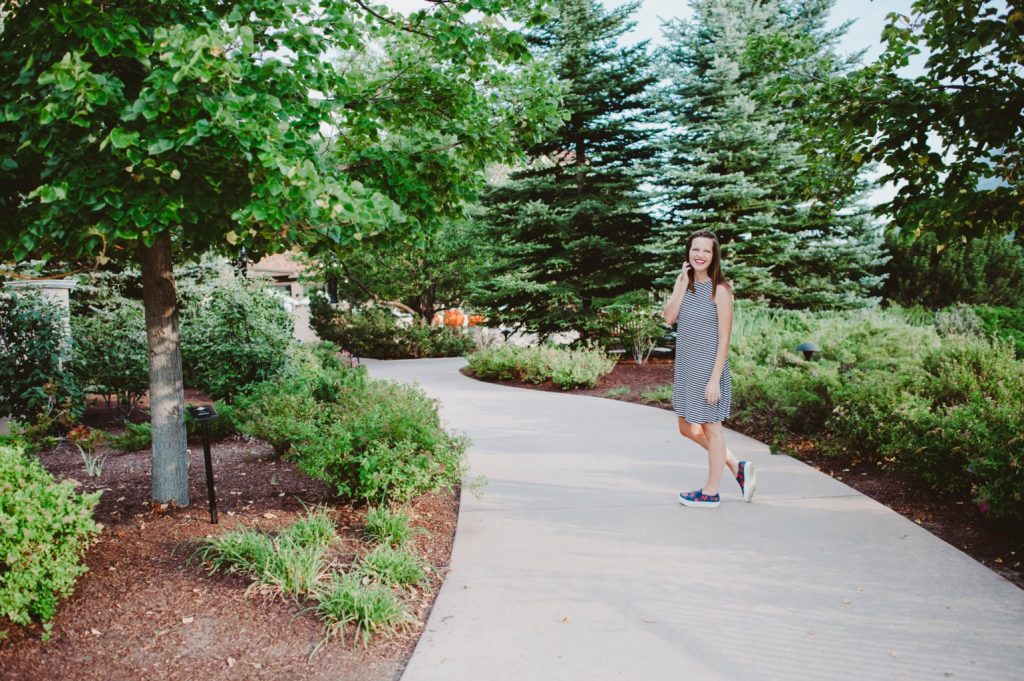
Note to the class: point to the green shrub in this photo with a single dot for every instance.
(391, 566)
(372, 440)
(35, 385)
(236, 335)
(45, 528)
(136, 436)
(1004, 323)
(633, 322)
(566, 368)
(376, 332)
(369, 608)
(385, 527)
(110, 352)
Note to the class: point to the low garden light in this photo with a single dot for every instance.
(506, 333)
(203, 416)
(809, 350)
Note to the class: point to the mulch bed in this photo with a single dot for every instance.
(998, 545)
(145, 610)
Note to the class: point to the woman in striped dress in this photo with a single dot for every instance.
(701, 308)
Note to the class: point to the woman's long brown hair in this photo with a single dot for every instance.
(715, 269)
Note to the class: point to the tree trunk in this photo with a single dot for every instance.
(166, 387)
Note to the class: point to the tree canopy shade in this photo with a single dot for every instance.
(134, 130)
(952, 137)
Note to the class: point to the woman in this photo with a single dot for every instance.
(701, 307)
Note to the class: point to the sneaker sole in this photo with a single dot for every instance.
(750, 481)
(699, 504)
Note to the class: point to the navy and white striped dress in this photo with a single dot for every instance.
(696, 346)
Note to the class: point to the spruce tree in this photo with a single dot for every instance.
(566, 232)
(740, 161)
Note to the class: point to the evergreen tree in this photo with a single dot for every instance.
(566, 232)
(740, 161)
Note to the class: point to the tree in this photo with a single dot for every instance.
(149, 131)
(566, 232)
(952, 138)
(741, 161)
(418, 278)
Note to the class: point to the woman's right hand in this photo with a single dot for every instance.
(683, 280)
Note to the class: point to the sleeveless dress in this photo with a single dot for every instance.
(696, 346)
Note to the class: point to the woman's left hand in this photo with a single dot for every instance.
(712, 392)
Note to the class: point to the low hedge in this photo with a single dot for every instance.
(45, 528)
(564, 367)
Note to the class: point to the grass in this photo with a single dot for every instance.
(293, 562)
(370, 608)
(621, 391)
(391, 566)
(663, 393)
(385, 527)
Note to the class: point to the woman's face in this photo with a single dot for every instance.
(702, 252)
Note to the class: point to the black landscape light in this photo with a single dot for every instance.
(809, 349)
(203, 416)
(506, 333)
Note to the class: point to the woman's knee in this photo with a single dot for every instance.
(690, 430)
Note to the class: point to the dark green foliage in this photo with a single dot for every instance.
(45, 528)
(565, 234)
(35, 384)
(237, 335)
(984, 271)
(951, 137)
(740, 160)
(136, 436)
(372, 440)
(1005, 324)
(376, 332)
(110, 352)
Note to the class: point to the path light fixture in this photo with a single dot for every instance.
(203, 416)
(506, 333)
(809, 350)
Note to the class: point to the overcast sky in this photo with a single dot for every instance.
(869, 16)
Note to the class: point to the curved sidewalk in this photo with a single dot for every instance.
(576, 562)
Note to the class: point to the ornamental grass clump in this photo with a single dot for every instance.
(345, 601)
(291, 563)
(391, 566)
(385, 527)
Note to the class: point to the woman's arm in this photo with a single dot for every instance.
(671, 311)
(723, 302)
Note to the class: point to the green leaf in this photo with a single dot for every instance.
(121, 138)
(159, 146)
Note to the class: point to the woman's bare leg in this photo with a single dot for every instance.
(716, 456)
(694, 432)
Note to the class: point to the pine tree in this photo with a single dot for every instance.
(740, 162)
(566, 232)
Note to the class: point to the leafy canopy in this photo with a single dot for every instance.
(258, 124)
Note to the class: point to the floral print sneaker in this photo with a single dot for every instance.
(747, 479)
(699, 500)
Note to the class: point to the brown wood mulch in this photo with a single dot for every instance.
(146, 610)
(998, 545)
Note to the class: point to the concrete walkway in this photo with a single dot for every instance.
(578, 563)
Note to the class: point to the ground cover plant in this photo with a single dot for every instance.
(565, 367)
